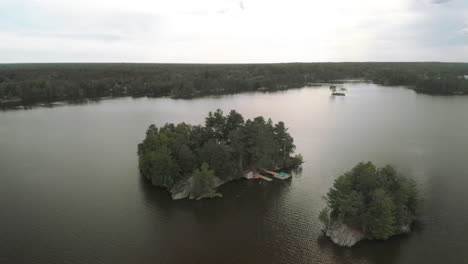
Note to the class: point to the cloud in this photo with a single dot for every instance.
(230, 7)
(64, 23)
(241, 5)
(440, 1)
(232, 30)
(223, 11)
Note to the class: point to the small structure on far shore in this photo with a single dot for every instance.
(336, 93)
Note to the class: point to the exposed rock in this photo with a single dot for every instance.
(343, 235)
(405, 229)
(182, 189)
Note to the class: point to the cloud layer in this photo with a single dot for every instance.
(216, 31)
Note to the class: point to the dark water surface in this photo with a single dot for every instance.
(70, 191)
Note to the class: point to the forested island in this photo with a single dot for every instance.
(193, 160)
(27, 84)
(369, 203)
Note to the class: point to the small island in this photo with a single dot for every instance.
(369, 203)
(191, 161)
(335, 93)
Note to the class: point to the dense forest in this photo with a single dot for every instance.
(25, 84)
(214, 153)
(377, 201)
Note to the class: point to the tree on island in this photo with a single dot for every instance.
(203, 182)
(378, 202)
(197, 159)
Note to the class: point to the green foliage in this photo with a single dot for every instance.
(158, 166)
(221, 158)
(324, 216)
(226, 144)
(380, 215)
(293, 162)
(33, 83)
(203, 182)
(377, 201)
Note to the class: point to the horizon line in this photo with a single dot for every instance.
(232, 63)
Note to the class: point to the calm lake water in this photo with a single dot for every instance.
(70, 191)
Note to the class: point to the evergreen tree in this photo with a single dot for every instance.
(380, 215)
(203, 182)
(226, 144)
(379, 202)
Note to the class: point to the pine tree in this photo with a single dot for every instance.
(381, 213)
(203, 182)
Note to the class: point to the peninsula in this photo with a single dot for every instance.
(191, 161)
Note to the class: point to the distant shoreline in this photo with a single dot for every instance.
(98, 99)
(29, 84)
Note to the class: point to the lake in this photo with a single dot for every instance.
(70, 190)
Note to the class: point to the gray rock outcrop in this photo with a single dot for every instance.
(183, 188)
(343, 235)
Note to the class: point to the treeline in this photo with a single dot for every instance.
(222, 148)
(428, 77)
(33, 83)
(377, 201)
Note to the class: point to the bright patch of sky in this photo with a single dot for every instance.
(233, 31)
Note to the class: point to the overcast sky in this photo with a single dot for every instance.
(233, 31)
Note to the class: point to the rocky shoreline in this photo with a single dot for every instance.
(345, 236)
(182, 189)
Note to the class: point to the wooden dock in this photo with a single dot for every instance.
(259, 176)
(272, 173)
(281, 176)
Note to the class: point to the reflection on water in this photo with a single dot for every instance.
(70, 191)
